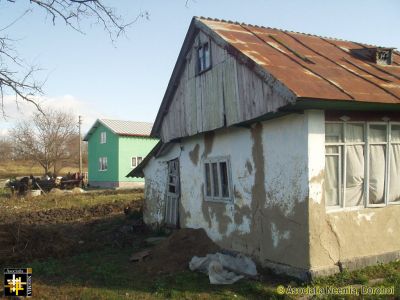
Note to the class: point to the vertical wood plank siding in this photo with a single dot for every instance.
(229, 92)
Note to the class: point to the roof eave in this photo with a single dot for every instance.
(335, 104)
(138, 171)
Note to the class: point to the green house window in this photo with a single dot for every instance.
(136, 160)
(103, 137)
(103, 164)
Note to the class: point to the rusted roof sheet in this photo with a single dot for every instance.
(312, 66)
(124, 128)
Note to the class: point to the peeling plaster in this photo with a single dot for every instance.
(365, 216)
(277, 236)
(194, 154)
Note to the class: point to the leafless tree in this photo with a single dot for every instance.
(16, 77)
(45, 138)
(6, 150)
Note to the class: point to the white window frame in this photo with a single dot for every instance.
(386, 144)
(390, 143)
(342, 163)
(137, 158)
(134, 165)
(103, 137)
(212, 198)
(103, 164)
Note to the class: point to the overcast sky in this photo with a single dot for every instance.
(90, 76)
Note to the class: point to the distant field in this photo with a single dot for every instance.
(22, 168)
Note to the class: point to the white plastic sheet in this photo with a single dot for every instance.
(222, 268)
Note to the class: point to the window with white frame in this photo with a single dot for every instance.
(103, 164)
(103, 137)
(217, 172)
(362, 164)
(203, 58)
(136, 160)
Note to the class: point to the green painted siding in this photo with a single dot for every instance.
(119, 151)
(132, 147)
(97, 150)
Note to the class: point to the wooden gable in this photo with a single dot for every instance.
(229, 93)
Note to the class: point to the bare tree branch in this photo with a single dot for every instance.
(17, 77)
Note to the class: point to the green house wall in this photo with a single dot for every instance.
(119, 151)
(128, 148)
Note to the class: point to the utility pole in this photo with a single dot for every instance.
(80, 145)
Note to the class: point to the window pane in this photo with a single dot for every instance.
(224, 179)
(206, 56)
(208, 180)
(333, 133)
(332, 180)
(172, 189)
(133, 161)
(377, 133)
(355, 133)
(200, 59)
(139, 160)
(377, 159)
(214, 168)
(354, 192)
(332, 149)
(395, 133)
(394, 181)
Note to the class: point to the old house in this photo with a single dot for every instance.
(281, 145)
(114, 148)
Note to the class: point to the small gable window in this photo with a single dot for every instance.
(203, 58)
(103, 137)
(136, 160)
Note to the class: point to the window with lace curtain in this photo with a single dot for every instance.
(362, 164)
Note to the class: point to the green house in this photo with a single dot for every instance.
(114, 148)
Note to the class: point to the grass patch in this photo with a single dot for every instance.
(107, 274)
(14, 205)
(100, 267)
(12, 169)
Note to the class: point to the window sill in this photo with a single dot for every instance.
(339, 209)
(356, 208)
(219, 200)
(204, 71)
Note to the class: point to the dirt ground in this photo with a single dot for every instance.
(174, 253)
(64, 232)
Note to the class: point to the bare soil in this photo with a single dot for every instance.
(64, 232)
(174, 254)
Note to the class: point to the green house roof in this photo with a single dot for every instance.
(125, 128)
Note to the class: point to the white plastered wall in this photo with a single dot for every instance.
(268, 215)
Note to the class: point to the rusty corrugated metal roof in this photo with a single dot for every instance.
(313, 66)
